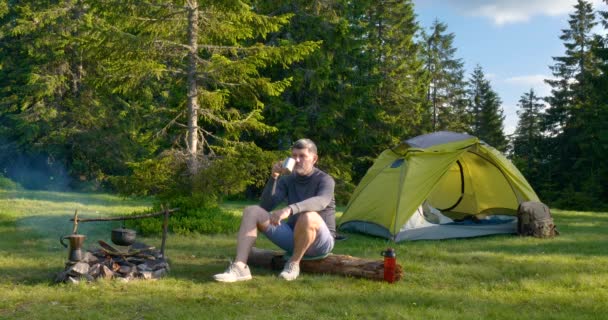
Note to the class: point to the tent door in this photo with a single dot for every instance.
(461, 189)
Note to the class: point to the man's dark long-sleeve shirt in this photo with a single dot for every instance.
(314, 192)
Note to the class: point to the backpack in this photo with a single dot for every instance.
(535, 219)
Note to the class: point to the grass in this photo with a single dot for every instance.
(498, 277)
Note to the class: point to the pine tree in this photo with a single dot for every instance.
(211, 50)
(399, 92)
(486, 112)
(99, 84)
(50, 106)
(596, 118)
(362, 91)
(574, 117)
(447, 92)
(527, 138)
(572, 71)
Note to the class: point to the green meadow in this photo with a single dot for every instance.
(497, 277)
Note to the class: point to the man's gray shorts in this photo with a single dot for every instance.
(283, 236)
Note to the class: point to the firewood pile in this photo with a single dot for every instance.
(139, 261)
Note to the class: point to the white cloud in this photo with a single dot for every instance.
(512, 11)
(534, 81)
(509, 129)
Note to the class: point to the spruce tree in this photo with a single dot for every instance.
(212, 52)
(574, 117)
(51, 107)
(573, 70)
(527, 138)
(99, 84)
(486, 111)
(363, 91)
(447, 91)
(596, 131)
(400, 87)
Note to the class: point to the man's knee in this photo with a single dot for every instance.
(310, 220)
(253, 211)
(257, 215)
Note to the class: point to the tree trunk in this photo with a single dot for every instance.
(333, 264)
(192, 138)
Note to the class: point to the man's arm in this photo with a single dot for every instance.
(320, 201)
(274, 191)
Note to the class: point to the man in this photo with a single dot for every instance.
(310, 213)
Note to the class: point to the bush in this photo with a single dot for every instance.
(152, 177)
(237, 168)
(8, 184)
(230, 171)
(226, 173)
(205, 220)
(343, 191)
(195, 215)
(341, 172)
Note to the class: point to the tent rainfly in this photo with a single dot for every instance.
(437, 186)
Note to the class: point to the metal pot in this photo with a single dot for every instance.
(123, 237)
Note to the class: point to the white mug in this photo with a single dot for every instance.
(288, 165)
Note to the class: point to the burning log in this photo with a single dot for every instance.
(337, 264)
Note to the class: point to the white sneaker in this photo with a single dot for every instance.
(234, 273)
(291, 271)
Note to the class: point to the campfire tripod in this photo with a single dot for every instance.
(166, 212)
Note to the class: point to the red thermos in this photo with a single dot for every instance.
(390, 262)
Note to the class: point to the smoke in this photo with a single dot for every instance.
(36, 172)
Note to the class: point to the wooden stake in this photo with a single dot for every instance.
(165, 226)
(75, 222)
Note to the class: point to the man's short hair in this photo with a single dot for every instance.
(305, 144)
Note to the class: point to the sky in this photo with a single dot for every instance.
(512, 40)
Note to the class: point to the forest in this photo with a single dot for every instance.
(195, 98)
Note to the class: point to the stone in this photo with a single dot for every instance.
(90, 258)
(106, 272)
(94, 270)
(144, 267)
(79, 269)
(159, 273)
(124, 269)
(157, 264)
(72, 280)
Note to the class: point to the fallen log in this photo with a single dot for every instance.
(337, 264)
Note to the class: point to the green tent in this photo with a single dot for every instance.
(436, 186)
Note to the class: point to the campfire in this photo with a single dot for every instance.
(138, 261)
(128, 260)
